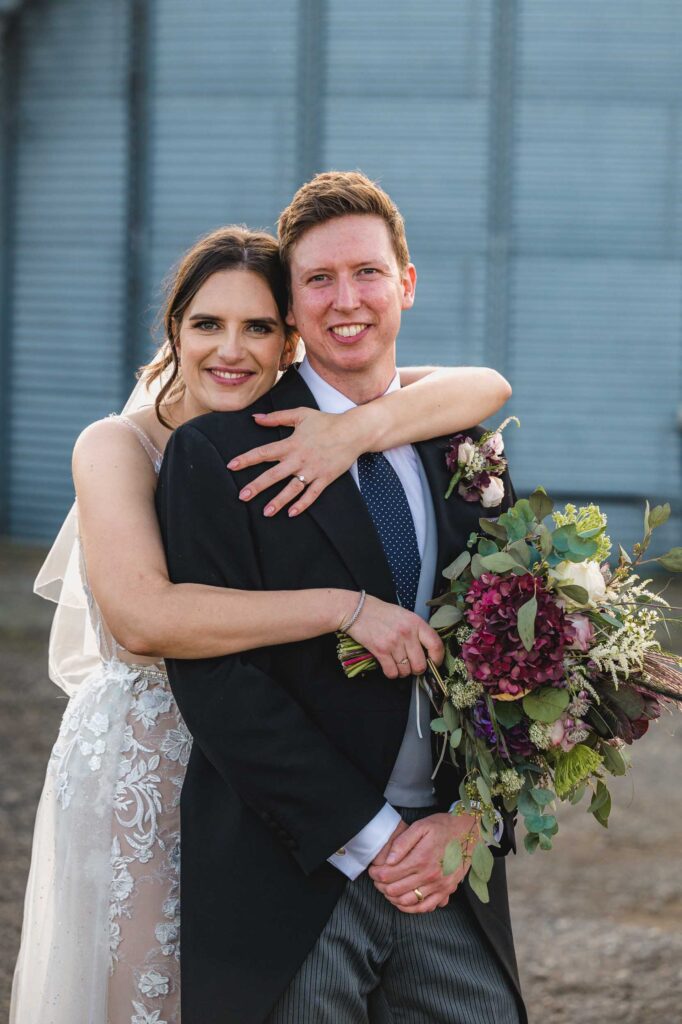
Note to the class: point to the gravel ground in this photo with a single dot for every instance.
(598, 923)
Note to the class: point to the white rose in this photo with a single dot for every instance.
(583, 574)
(493, 493)
(466, 453)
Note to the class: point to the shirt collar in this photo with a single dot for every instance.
(327, 397)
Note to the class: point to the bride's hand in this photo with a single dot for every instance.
(399, 639)
(319, 451)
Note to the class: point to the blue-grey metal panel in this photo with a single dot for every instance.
(407, 104)
(596, 303)
(223, 119)
(69, 230)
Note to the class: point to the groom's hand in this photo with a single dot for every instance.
(414, 861)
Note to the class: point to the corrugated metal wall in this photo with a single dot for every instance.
(534, 149)
(67, 265)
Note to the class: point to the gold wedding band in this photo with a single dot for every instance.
(420, 895)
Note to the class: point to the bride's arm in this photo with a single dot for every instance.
(431, 401)
(150, 616)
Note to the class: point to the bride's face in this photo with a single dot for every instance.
(230, 343)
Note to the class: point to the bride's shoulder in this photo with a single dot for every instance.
(107, 447)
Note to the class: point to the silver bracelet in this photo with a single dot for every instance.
(354, 617)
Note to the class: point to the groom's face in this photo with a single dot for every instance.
(347, 295)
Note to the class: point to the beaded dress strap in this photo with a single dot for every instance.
(152, 451)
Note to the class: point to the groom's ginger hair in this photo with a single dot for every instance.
(339, 194)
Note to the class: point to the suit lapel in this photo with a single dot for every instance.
(340, 512)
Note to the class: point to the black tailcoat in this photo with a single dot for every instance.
(290, 758)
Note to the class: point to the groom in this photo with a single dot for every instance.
(312, 891)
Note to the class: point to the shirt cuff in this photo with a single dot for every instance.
(356, 856)
(498, 831)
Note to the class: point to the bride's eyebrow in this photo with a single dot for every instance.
(261, 320)
(204, 316)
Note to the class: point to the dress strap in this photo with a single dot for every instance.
(152, 451)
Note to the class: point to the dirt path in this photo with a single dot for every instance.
(598, 923)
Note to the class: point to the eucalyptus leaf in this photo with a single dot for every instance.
(482, 862)
(526, 622)
(542, 796)
(599, 798)
(647, 513)
(438, 725)
(479, 887)
(494, 528)
(487, 547)
(534, 822)
(457, 567)
(544, 841)
(526, 803)
(576, 594)
(445, 616)
(624, 555)
(521, 552)
(482, 788)
(452, 859)
(541, 503)
(545, 537)
(672, 560)
(546, 705)
(524, 508)
(500, 562)
(450, 716)
(477, 568)
(456, 738)
(531, 843)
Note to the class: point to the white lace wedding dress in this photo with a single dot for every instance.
(101, 930)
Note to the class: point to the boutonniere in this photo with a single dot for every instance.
(477, 466)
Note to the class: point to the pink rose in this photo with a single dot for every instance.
(560, 733)
(584, 632)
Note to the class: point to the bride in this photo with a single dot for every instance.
(100, 939)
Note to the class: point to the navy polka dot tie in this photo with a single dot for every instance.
(388, 506)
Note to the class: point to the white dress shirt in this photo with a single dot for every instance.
(360, 851)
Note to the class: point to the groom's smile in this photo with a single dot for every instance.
(347, 296)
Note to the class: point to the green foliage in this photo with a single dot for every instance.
(457, 567)
(438, 725)
(526, 622)
(600, 805)
(499, 562)
(515, 522)
(482, 862)
(571, 590)
(671, 560)
(521, 552)
(445, 617)
(545, 539)
(479, 887)
(452, 859)
(655, 517)
(494, 528)
(613, 760)
(546, 705)
(482, 787)
(541, 503)
(456, 738)
(545, 841)
(507, 712)
(486, 546)
(530, 842)
(542, 796)
(571, 546)
(477, 567)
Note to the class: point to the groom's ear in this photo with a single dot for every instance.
(408, 283)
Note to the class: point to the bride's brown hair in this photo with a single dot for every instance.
(234, 247)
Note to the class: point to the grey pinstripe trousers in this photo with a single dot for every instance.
(374, 965)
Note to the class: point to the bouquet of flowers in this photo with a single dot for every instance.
(552, 666)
